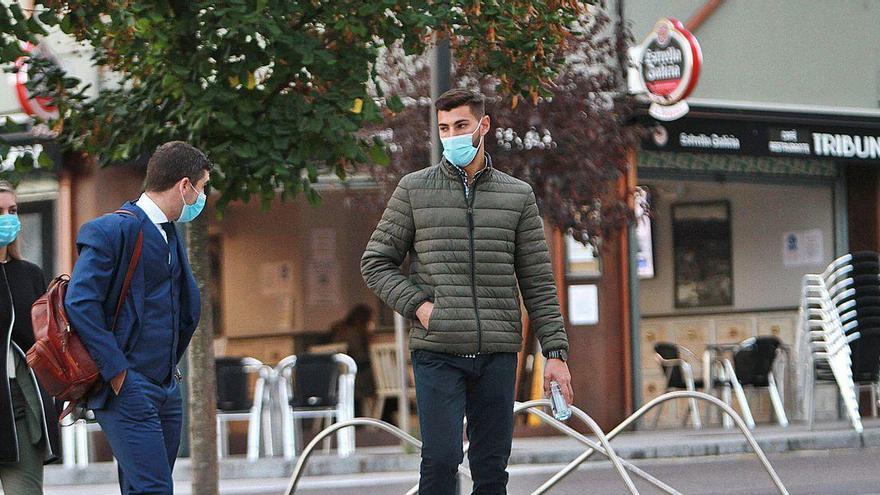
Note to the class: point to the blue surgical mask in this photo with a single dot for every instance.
(10, 226)
(190, 212)
(460, 150)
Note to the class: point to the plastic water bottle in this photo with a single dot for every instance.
(560, 408)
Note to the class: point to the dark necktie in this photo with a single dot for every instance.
(171, 231)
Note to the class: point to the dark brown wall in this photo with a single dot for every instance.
(597, 362)
(863, 208)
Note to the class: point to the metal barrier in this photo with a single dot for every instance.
(603, 447)
(532, 407)
(650, 405)
(307, 452)
(520, 407)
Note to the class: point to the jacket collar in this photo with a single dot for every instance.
(154, 213)
(451, 172)
(134, 208)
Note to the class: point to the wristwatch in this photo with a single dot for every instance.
(558, 354)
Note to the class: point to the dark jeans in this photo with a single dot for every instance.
(450, 387)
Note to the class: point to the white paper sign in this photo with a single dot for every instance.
(803, 247)
(323, 283)
(583, 304)
(577, 252)
(276, 278)
(323, 245)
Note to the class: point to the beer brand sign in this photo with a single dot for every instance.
(38, 106)
(667, 66)
(670, 62)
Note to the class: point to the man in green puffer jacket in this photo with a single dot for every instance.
(475, 240)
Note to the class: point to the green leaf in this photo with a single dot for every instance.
(395, 104)
(45, 161)
(142, 25)
(378, 156)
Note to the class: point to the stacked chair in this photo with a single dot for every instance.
(839, 332)
(856, 293)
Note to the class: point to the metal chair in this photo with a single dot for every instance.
(675, 360)
(855, 291)
(316, 386)
(823, 345)
(752, 366)
(234, 403)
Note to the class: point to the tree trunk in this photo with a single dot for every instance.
(201, 376)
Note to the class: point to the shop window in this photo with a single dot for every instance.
(581, 261)
(703, 257)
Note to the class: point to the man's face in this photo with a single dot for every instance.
(190, 191)
(461, 120)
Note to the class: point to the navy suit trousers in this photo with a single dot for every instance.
(143, 426)
(448, 388)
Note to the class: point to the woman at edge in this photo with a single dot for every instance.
(28, 423)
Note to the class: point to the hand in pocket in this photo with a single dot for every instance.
(424, 313)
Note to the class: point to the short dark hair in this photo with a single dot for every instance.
(458, 97)
(173, 161)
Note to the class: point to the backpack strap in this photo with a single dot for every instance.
(132, 265)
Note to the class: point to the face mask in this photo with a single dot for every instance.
(460, 150)
(190, 212)
(10, 226)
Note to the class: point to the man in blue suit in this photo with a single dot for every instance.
(139, 406)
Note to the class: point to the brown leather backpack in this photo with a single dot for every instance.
(59, 359)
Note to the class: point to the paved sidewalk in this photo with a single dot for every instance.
(681, 443)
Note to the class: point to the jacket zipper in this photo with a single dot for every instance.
(470, 213)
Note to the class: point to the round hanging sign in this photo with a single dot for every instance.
(669, 60)
(37, 106)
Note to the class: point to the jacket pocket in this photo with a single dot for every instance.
(431, 317)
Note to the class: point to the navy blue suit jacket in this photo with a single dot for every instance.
(105, 247)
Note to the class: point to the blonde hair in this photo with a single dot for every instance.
(12, 251)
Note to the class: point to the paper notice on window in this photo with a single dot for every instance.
(323, 283)
(323, 245)
(803, 248)
(276, 278)
(583, 304)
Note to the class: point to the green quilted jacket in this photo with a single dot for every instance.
(467, 254)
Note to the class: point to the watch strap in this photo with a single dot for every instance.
(558, 354)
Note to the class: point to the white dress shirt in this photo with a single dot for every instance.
(154, 213)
